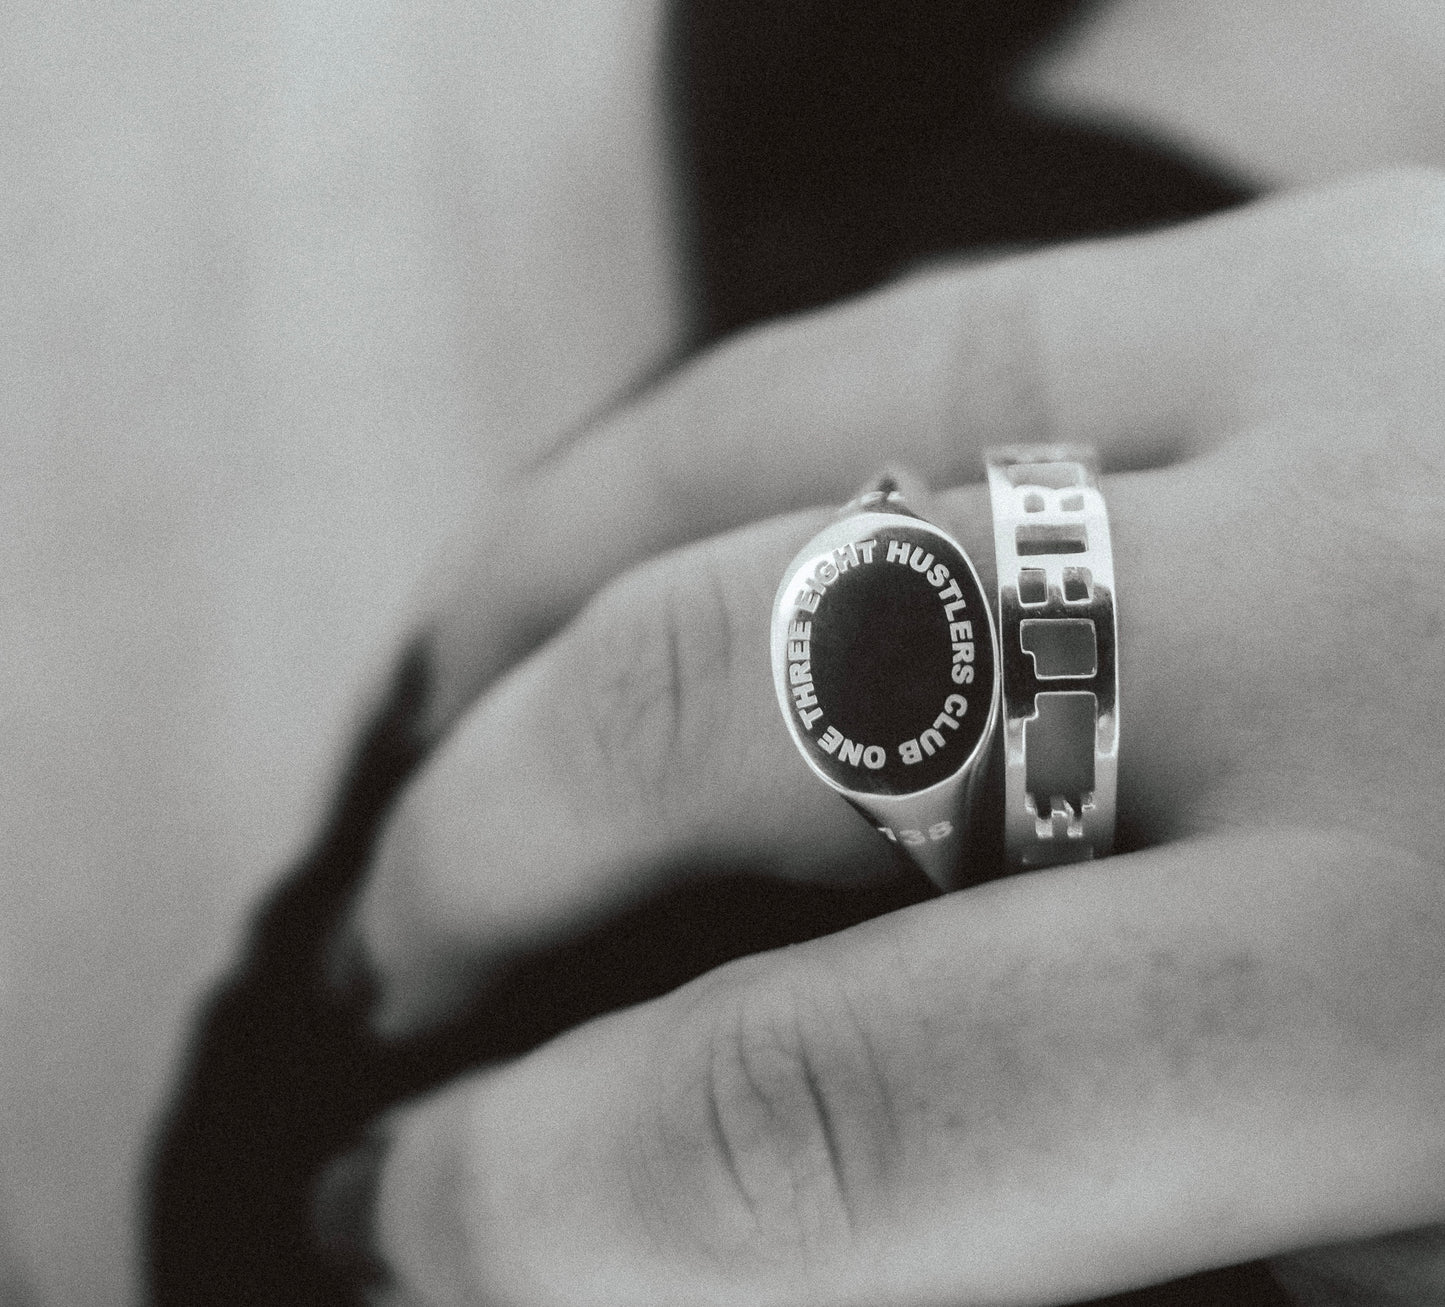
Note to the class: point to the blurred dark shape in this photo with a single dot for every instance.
(829, 145)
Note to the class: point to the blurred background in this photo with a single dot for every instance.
(284, 288)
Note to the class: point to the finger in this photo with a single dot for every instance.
(644, 742)
(1144, 347)
(647, 739)
(641, 744)
(1042, 1090)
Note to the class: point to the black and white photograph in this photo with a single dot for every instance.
(722, 653)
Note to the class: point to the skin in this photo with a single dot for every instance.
(1224, 1044)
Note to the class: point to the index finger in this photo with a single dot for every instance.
(1060, 1085)
(1144, 347)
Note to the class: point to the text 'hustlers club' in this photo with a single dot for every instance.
(865, 553)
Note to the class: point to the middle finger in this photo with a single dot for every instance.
(645, 740)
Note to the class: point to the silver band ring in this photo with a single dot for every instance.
(1058, 633)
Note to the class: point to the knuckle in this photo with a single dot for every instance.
(653, 656)
(793, 1107)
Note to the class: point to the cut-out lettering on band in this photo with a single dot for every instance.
(1078, 585)
(1060, 647)
(1051, 538)
(1059, 745)
(1052, 476)
(1033, 585)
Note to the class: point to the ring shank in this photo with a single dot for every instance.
(1058, 636)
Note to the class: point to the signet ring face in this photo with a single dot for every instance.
(885, 662)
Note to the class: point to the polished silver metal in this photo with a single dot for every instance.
(881, 628)
(1059, 636)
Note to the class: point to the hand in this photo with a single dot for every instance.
(1227, 1043)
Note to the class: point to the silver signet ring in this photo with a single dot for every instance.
(885, 662)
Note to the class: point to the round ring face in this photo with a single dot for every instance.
(884, 656)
